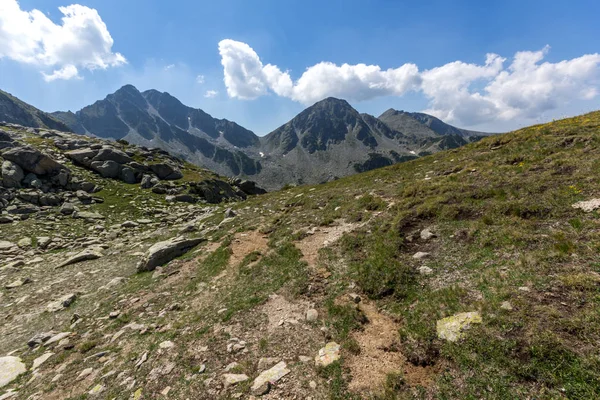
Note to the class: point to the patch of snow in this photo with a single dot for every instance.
(412, 152)
(262, 155)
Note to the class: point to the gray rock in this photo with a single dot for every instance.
(234, 379)
(87, 215)
(67, 208)
(420, 255)
(107, 169)
(62, 178)
(128, 175)
(62, 303)
(130, 224)
(185, 198)
(166, 171)
(40, 338)
(32, 180)
(40, 360)
(82, 156)
(328, 354)
(5, 219)
(12, 174)
(426, 234)
(424, 270)
(262, 382)
(10, 368)
(83, 196)
(163, 252)
(18, 282)
(87, 186)
(33, 160)
(229, 213)
(83, 256)
(148, 181)
(57, 338)
(43, 241)
(112, 154)
(312, 315)
(25, 242)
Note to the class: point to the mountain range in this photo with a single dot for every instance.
(328, 140)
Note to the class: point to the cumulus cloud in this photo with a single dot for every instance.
(210, 94)
(81, 41)
(247, 78)
(457, 92)
(65, 73)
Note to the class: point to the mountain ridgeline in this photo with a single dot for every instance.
(324, 142)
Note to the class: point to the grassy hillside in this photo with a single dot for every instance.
(506, 243)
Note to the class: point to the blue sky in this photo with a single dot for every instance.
(167, 45)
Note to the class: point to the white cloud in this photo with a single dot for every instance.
(247, 78)
(200, 79)
(170, 66)
(459, 92)
(65, 73)
(210, 94)
(81, 41)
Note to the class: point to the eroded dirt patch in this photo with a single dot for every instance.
(322, 237)
(379, 351)
(245, 243)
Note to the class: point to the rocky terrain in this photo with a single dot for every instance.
(469, 273)
(328, 140)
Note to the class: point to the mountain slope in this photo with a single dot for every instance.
(326, 141)
(331, 139)
(15, 111)
(498, 238)
(156, 119)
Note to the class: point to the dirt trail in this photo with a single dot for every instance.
(379, 351)
(322, 237)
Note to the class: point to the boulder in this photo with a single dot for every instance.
(107, 169)
(163, 252)
(12, 175)
(33, 160)
(128, 175)
(166, 171)
(82, 156)
(112, 154)
(249, 187)
(5, 136)
(10, 368)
